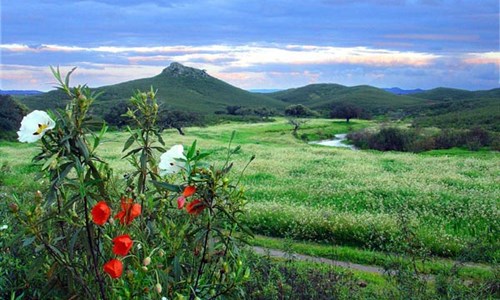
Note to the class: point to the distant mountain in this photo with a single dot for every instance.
(398, 91)
(445, 94)
(20, 92)
(179, 87)
(193, 90)
(264, 91)
(324, 96)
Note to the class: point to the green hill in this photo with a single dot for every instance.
(179, 87)
(460, 109)
(447, 94)
(324, 96)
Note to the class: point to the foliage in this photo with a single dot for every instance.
(286, 280)
(11, 114)
(325, 195)
(88, 224)
(299, 111)
(346, 111)
(324, 96)
(178, 119)
(415, 140)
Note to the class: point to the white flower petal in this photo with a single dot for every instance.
(34, 126)
(169, 163)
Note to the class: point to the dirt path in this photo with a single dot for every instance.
(343, 264)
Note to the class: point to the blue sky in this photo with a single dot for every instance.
(254, 44)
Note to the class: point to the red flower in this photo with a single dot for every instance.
(100, 213)
(189, 191)
(122, 244)
(129, 212)
(114, 268)
(180, 202)
(195, 207)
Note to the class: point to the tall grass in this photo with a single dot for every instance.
(335, 195)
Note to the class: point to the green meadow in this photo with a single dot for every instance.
(443, 203)
(358, 206)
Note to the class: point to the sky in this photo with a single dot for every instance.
(274, 44)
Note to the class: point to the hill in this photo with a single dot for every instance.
(19, 92)
(460, 108)
(399, 91)
(324, 96)
(179, 87)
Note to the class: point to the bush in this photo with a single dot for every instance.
(412, 140)
(300, 111)
(11, 114)
(165, 229)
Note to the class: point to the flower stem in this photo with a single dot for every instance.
(92, 250)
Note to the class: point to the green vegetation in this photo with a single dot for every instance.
(326, 96)
(426, 265)
(11, 114)
(361, 204)
(179, 88)
(390, 138)
(451, 108)
(346, 197)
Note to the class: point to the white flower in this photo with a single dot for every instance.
(169, 163)
(34, 126)
(4, 227)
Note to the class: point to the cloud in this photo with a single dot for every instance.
(249, 55)
(483, 58)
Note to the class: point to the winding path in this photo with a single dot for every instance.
(343, 264)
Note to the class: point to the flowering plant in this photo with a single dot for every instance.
(169, 229)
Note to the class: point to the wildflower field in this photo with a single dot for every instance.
(336, 195)
(441, 203)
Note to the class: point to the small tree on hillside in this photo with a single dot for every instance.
(299, 110)
(296, 123)
(345, 111)
(178, 119)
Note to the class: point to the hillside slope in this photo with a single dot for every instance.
(324, 96)
(178, 86)
(460, 109)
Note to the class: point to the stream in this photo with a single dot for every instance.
(337, 141)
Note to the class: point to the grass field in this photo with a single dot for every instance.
(437, 203)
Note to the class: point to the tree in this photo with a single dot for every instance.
(11, 114)
(178, 119)
(296, 123)
(345, 111)
(115, 115)
(299, 110)
(233, 109)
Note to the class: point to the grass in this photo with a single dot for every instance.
(368, 257)
(364, 199)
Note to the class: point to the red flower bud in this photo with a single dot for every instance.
(122, 244)
(114, 268)
(189, 191)
(180, 202)
(100, 213)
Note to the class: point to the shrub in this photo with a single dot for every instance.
(299, 110)
(11, 114)
(166, 229)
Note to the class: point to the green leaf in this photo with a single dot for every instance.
(129, 142)
(136, 150)
(28, 241)
(49, 161)
(191, 151)
(167, 186)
